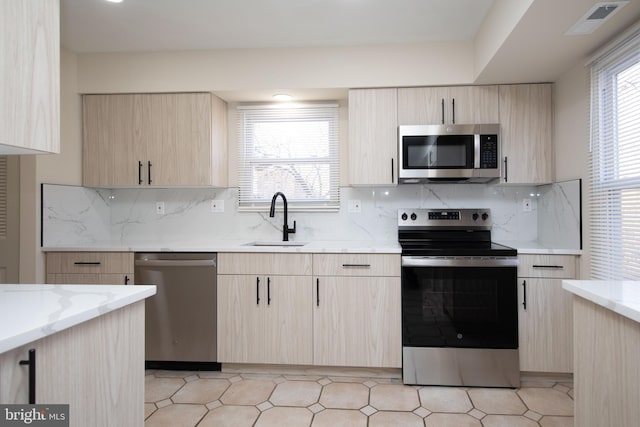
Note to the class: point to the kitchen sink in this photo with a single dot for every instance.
(276, 243)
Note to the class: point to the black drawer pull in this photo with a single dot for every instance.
(560, 267)
(356, 265)
(87, 263)
(32, 375)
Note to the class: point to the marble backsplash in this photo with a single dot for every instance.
(80, 216)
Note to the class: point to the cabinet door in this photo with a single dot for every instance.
(423, 106)
(288, 320)
(356, 322)
(473, 104)
(527, 134)
(373, 137)
(30, 83)
(111, 148)
(177, 132)
(545, 326)
(241, 302)
(90, 279)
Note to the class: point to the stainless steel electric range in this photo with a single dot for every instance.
(459, 300)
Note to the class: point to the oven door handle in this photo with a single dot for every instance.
(417, 261)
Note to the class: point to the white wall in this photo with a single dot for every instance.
(572, 141)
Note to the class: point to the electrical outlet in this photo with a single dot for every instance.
(526, 205)
(160, 208)
(217, 206)
(354, 206)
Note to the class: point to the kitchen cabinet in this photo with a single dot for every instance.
(264, 308)
(30, 84)
(174, 139)
(545, 314)
(448, 105)
(356, 310)
(99, 268)
(373, 137)
(95, 367)
(526, 119)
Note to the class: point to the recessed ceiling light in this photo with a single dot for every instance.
(282, 97)
(595, 17)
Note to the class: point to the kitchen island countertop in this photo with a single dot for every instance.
(621, 297)
(31, 312)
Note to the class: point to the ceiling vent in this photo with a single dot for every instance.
(595, 17)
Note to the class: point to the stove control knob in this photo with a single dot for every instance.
(414, 217)
(404, 217)
(485, 216)
(474, 216)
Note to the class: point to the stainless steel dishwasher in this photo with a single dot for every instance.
(180, 319)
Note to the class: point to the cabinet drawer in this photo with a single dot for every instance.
(90, 262)
(264, 263)
(553, 266)
(356, 265)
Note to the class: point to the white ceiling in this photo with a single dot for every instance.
(152, 25)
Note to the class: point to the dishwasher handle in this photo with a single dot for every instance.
(175, 263)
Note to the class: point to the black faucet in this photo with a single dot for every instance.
(285, 228)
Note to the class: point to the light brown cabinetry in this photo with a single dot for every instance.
(99, 268)
(448, 105)
(526, 119)
(264, 308)
(95, 367)
(356, 310)
(373, 137)
(176, 139)
(30, 83)
(545, 314)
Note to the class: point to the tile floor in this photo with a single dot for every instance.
(206, 399)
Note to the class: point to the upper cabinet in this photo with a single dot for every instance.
(176, 139)
(526, 119)
(448, 105)
(30, 84)
(373, 136)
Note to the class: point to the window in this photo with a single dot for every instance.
(615, 163)
(289, 149)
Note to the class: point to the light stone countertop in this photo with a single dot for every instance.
(345, 246)
(31, 312)
(537, 248)
(621, 297)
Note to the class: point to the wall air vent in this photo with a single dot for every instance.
(595, 17)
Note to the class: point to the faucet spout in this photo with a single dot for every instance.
(285, 228)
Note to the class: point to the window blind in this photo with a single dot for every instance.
(615, 162)
(292, 149)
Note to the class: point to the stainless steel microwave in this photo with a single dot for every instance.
(448, 153)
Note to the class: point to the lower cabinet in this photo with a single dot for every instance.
(264, 319)
(545, 313)
(356, 322)
(96, 367)
(90, 268)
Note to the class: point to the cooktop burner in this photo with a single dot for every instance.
(448, 232)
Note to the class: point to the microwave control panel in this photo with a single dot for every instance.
(488, 151)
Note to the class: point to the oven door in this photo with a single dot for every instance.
(459, 303)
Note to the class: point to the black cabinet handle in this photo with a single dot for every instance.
(318, 292)
(139, 172)
(87, 263)
(32, 375)
(442, 110)
(149, 172)
(126, 280)
(505, 169)
(257, 291)
(453, 111)
(356, 265)
(392, 174)
(268, 290)
(559, 267)
(524, 293)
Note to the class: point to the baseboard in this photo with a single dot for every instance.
(325, 371)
